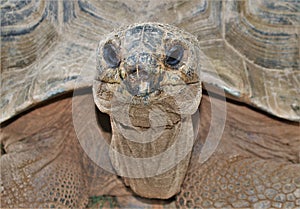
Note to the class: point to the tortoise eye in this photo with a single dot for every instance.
(110, 55)
(174, 55)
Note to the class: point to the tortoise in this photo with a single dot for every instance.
(150, 69)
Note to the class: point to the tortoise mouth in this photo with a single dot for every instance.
(149, 133)
(141, 83)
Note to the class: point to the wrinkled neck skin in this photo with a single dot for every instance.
(151, 146)
(151, 141)
(148, 81)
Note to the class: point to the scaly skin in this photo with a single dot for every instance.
(267, 160)
(256, 164)
(148, 80)
(241, 182)
(45, 166)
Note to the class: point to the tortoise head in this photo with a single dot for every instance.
(148, 81)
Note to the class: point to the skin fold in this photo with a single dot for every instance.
(256, 163)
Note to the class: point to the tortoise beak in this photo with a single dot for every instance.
(141, 82)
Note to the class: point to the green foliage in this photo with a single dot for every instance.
(102, 202)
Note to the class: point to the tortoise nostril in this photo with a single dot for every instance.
(131, 71)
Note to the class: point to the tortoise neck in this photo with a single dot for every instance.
(154, 166)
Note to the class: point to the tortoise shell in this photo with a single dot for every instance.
(252, 45)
